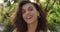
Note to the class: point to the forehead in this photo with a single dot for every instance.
(27, 5)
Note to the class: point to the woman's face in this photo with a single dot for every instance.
(29, 13)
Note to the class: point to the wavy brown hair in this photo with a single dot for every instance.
(21, 25)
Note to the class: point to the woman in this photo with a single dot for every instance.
(30, 18)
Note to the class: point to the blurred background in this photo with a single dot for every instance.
(52, 8)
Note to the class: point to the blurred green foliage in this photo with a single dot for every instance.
(6, 18)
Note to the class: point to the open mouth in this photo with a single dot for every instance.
(29, 17)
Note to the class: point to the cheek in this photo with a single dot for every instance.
(35, 14)
(23, 16)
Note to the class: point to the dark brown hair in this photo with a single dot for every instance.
(21, 25)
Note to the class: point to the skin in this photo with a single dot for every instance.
(30, 15)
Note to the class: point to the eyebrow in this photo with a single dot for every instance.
(29, 7)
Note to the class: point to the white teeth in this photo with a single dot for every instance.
(29, 17)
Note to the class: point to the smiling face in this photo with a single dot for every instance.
(29, 13)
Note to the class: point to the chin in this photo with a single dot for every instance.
(30, 22)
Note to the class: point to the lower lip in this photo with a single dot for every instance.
(29, 18)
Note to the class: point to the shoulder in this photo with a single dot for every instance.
(45, 31)
(48, 30)
(14, 30)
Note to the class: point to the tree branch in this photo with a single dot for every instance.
(51, 6)
(46, 5)
(48, 8)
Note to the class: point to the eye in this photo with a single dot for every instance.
(30, 9)
(23, 11)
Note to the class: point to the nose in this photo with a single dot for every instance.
(27, 12)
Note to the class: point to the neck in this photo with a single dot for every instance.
(32, 27)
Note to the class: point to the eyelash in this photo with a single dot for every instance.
(30, 9)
